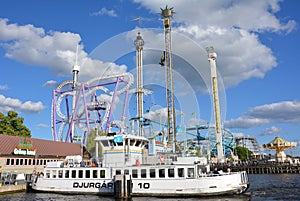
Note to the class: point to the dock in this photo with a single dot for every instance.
(268, 168)
(6, 189)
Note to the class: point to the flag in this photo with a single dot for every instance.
(77, 138)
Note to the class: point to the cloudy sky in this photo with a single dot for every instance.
(256, 43)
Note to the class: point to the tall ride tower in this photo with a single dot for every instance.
(166, 14)
(139, 43)
(212, 56)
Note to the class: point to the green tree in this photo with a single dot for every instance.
(13, 125)
(243, 153)
(91, 144)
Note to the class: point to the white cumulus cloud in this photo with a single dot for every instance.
(280, 112)
(55, 50)
(7, 104)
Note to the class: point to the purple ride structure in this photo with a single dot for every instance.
(79, 107)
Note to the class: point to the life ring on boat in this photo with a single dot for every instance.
(162, 159)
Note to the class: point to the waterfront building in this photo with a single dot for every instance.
(21, 155)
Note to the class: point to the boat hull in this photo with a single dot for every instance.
(205, 185)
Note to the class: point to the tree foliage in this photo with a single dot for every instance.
(243, 153)
(13, 125)
(91, 144)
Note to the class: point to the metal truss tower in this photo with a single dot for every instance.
(166, 14)
(139, 43)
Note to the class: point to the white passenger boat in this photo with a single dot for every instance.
(160, 175)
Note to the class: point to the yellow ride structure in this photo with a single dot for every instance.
(279, 145)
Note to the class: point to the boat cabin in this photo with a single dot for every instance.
(120, 150)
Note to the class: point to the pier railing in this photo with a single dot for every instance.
(267, 168)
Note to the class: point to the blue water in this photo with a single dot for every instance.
(263, 187)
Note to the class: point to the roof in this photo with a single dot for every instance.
(43, 147)
(279, 143)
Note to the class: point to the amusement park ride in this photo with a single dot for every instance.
(279, 145)
(79, 107)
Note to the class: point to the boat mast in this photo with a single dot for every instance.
(139, 43)
(166, 14)
(212, 56)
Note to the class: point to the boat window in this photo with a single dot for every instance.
(29, 162)
(33, 162)
(95, 173)
(21, 161)
(118, 172)
(120, 143)
(171, 172)
(134, 173)
(132, 142)
(8, 161)
(60, 173)
(54, 173)
(102, 173)
(162, 173)
(48, 174)
(25, 161)
(126, 171)
(67, 173)
(138, 142)
(180, 172)
(105, 143)
(112, 142)
(87, 174)
(152, 173)
(80, 173)
(190, 172)
(73, 174)
(17, 161)
(143, 173)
